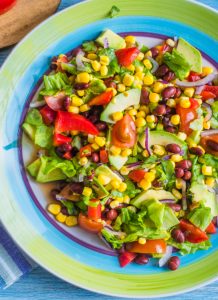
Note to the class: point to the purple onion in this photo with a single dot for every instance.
(200, 82)
(60, 198)
(209, 111)
(102, 238)
(135, 164)
(118, 174)
(199, 89)
(37, 104)
(166, 157)
(106, 43)
(147, 140)
(79, 63)
(167, 201)
(163, 260)
(209, 132)
(154, 64)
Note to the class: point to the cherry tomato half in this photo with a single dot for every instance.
(88, 224)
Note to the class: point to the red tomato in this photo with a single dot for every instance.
(205, 139)
(150, 247)
(211, 228)
(67, 155)
(193, 234)
(102, 99)
(85, 151)
(127, 56)
(187, 115)
(66, 121)
(103, 156)
(193, 76)
(60, 139)
(194, 103)
(48, 115)
(124, 133)
(5, 5)
(211, 88)
(126, 258)
(94, 212)
(61, 59)
(88, 224)
(55, 102)
(207, 95)
(136, 175)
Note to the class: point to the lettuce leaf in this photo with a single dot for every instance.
(211, 160)
(214, 119)
(189, 248)
(56, 82)
(89, 46)
(201, 217)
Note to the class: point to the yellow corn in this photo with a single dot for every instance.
(61, 217)
(73, 109)
(142, 241)
(83, 161)
(126, 152)
(171, 103)
(182, 136)
(100, 141)
(121, 87)
(207, 70)
(103, 179)
(80, 93)
(159, 150)
(139, 69)
(128, 79)
(92, 56)
(150, 118)
(147, 64)
(145, 153)
(96, 65)
(148, 53)
(103, 70)
(122, 187)
(84, 108)
(179, 183)
(132, 112)
(145, 184)
(210, 181)
(207, 170)
(158, 87)
(148, 79)
(176, 158)
(74, 132)
(126, 199)
(140, 122)
(149, 176)
(140, 114)
(177, 194)
(114, 204)
(206, 125)
(184, 102)
(154, 97)
(104, 60)
(76, 101)
(130, 39)
(139, 75)
(124, 171)
(113, 90)
(83, 77)
(91, 138)
(145, 109)
(131, 68)
(54, 209)
(115, 150)
(175, 119)
(117, 116)
(115, 183)
(71, 221)
(95, 146)
(87, 191)
(189, 92)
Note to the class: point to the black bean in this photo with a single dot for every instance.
(66, 147)
(177, 93)
(144, 99)
(93, 119)
(59, 151)
(170, 129)
(81, 86)
(187, 175)
(112, 214)
(160, 110)
(184, 164)
(54, 192)
(101, 126)
(74, 151)
(156, 183)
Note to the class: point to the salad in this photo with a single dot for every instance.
(129, 136)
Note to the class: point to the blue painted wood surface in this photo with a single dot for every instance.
(41, 285)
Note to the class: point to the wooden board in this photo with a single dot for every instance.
(23, 17)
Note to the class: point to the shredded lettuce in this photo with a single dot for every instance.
(89, 46)
(189, 248)
(201, 217)
(212, 161)
(54, 83)
(214, 119)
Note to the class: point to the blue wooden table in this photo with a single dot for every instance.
(41, 285)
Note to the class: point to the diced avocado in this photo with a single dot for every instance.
(169, 218)
(29, 130)
(34, 167)
(191, 54)
(162, 138)
(151, 194)
(103, 169)
(117, 161)
(120, 103)
(114, 40)
(201, 194)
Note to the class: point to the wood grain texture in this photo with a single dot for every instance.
(23, 17)
(41, 285)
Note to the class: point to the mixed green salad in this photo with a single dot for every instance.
(129, 135)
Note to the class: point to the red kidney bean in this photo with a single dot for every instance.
(81, 86)
(77, 187)
(64, 211)
(156, 183)
(95, 157)
(154, 52)
(212, 145)
(160, 110)
(178, 235)
(168, 92)
(196, 150)
(75, 51)
(108, 201)
(66, 147)
(112, 214)
(141, 259)
(93, 118)
(110, 83)
(187, 175)
(177, 93)
(173, 263)
(144, 99)
(53, 65)
(85, 114)
(54, 192)
(161, 71)
(170, 129)
(101, 126)
(174, 148)
(169, 76)
(184, 164)
(179, 172)
(175, 206)
(168, 109)
(59, 151)
(67, 102)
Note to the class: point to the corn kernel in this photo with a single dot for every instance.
(140, 122)
(132, 112)
(117, 78)
(83, 161)
(140, 114)
(145, 184)
(124, 171)
(148, 53)
(128, 79)
(179, 183)
(130, 39)
(73, 109)
(170, 42)
(142, 241)
(158, 87)
(121, 87)
(76, 101)
(115, 183)
(122, 187)
(177, 194)
(104, 60)
(84, 107)
(147, 64)
(175, 119)
(145, 109)
(83, 77)
(80, 93)
(150, 176)
(103, 179)
(126, 199)
(96, 65)
(210, 181)
(131, 68)
(159, 150)
(61, 217)
(189, 92)
(119, 199)
(74, 132)
(100, 141)
(54, 209)
(117, 116)
(114, 204)
(115, 150)
(176, 158)
(207, 170)
(71, 221)
(113, 90)
(87, 191)
(145, 153)
(139, 69)
(207, 70)
(184, 102)
(139, 75)
(103, 70)
(182, 135)
(148, 80)
(95, 146)
(171, 103)
(154, 97)
(206, 125)
(92, 56)
(140, 56)
(91, 138)
(150, 118)
(126, 152)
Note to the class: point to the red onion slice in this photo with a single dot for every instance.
(80, 65)
(163, 260)
(147, 140)
(199, 89)
(55, 102)
(200, 82)
(106, 43)
(170, 201)
(209, 111)
(36, 104)
(135, 164)
(209, 132)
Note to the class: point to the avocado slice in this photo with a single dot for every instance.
(191, 54)
(162, 138)
(120, 103)
(151, 194)
(29, 130)
(103, 169)
(114, 40)
(117, 161)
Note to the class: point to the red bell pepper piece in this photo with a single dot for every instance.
(68, 155)
(211, 228)
(126, 258)
(207, 95)
(193, 76)
(103, 156)
(211, 88)
(193, 234)
(102, 99)
(127, 56)
(85, 151)
(136, 175)
(48, 115)
(94, 212)
(60, 139)
(187, 115)
(194, 103)
(66, 121)
(56, 102)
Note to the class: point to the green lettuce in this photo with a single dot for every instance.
(200, 217)
(54, 83)
(214, 119)
(211, 160)
(189, 248)
(89, 46)
(166, 174)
